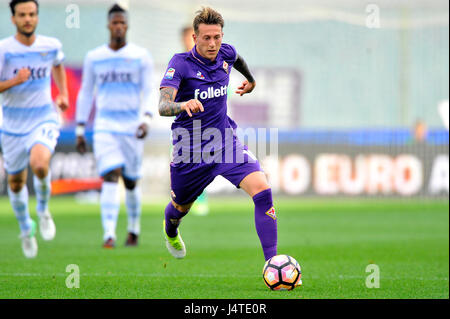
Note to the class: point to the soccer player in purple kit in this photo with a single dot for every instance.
(194, 88)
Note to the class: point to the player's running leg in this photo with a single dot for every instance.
(40, 157)
(255, 184)
(18, 196)
(133, 204)
(110, 205)
(187, 183)
(173, 216)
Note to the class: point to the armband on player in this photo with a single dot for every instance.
(79, 130)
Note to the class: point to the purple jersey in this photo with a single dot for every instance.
(196, 77)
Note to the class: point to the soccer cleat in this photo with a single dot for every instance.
(175, 245)
(29, 243)
(132, 240)
(110, 243)
(47, 226)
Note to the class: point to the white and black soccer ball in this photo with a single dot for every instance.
(282, 272)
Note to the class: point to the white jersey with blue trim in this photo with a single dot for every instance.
(29, 104)
(121, 83)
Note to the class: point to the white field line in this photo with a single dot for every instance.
(346, 277)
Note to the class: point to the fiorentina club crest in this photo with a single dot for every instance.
(225, 66)
(271, 213)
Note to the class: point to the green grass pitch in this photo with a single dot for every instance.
(333, 240)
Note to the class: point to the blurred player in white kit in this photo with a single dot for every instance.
(120, 74)
(30, 120)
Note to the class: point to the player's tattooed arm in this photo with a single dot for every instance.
(168, 106)
(248, 85)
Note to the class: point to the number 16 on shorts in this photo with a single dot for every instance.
(47, 134)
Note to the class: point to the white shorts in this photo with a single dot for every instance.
(118, 151)
(16, 148)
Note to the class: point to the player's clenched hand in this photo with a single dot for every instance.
(81, 144)
(142, 131)
(192, 106)
(246, 87)
(62, 101)
(22, 75)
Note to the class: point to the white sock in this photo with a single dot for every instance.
(110, 205)
(133, 203)
(42, 187)
(19, 203)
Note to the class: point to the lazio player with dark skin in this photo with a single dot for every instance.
(118, 26)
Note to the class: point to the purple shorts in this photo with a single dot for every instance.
(189, 180)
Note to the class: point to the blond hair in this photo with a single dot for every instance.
(207, 16)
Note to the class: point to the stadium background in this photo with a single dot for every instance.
(354, 186)
(344, 90)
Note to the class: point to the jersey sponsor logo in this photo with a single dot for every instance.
(35, 73)
(271, 213)
(200, 75)
(169, 74)
(210, 93)
(225, 66)
(114, 76)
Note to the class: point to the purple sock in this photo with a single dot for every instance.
(266, 222)
(173, 219)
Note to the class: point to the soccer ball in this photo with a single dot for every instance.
(282, 272)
